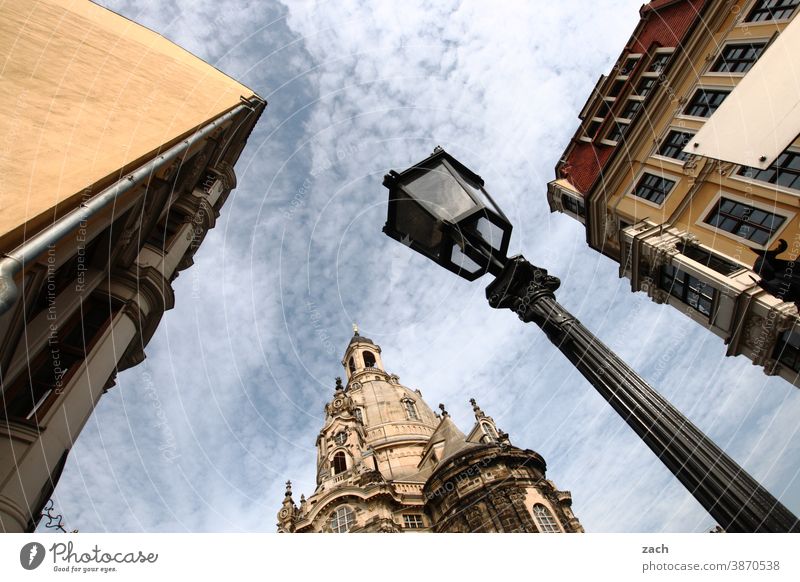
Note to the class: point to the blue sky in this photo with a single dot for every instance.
(228, 403)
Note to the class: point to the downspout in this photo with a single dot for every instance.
(13, 263)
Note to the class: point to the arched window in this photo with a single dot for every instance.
(359, 415)
(339, 463)
(342, 520)
(352, 365)
(545, 520)
(369, 359)
(411, 409)
(488, 430)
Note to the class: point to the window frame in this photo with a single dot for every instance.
(788, 216)
(645, 76)
(735, 267)
(579, 204)
(658, 174)
(669, 51)
(745, 14)
(795, 149)
(632, 99)
(663, 142)
(343, 514)
(687, 288)
(615, 123)
(413, 521)
(731, 44)
(411, 409)
(703, 88)
(545, 521)
(339, 455)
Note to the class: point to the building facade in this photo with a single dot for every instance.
(119, 151)
(686, 229)
(386, 462)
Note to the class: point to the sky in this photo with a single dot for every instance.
(204, 433)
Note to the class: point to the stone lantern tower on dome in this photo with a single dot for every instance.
(386, 462)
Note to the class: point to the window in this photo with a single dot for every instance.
(708, 259)
(359, 415)
(688, 289)
(787, 350)
(785, 171)
(646, 85)
(616, 88)
(591, 129)
(339, 463)
(352, 365)
(545, 520)
(340, 438)
(743, 220)
(413, 521)
(488, 430)
(369, 359)
(772, 10)
(573, 205)
(616, 131)
(411, 409)
(631, 108)
(342, 520)
(630, 64)
(673, 144)
(738, 58)
(653, 188)
(704, 102)
(659, 62)
(48, 372)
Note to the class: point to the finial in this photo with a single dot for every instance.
(355, 329)
(437, 149)
(476, 409)
(445, 414)
(339, 386)
(288, 489)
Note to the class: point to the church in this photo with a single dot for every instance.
(386, 462)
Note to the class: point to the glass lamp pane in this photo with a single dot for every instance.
(463, 262)
(441, 193)
(420, 226)
(490, 232)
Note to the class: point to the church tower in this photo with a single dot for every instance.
(386, 462)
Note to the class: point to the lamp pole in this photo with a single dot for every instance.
(440, 209)
(733, 498)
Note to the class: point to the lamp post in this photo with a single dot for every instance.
(440, 209)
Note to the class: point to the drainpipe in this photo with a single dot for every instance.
(12, 263)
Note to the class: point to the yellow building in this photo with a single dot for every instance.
(117, 153)
(387, 463)
(684, 227)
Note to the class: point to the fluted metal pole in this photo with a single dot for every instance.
(733, 498)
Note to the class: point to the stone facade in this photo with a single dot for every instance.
(386, 462)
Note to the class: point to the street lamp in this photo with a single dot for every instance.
(440, 208)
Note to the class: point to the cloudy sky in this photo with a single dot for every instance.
(226, 408)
